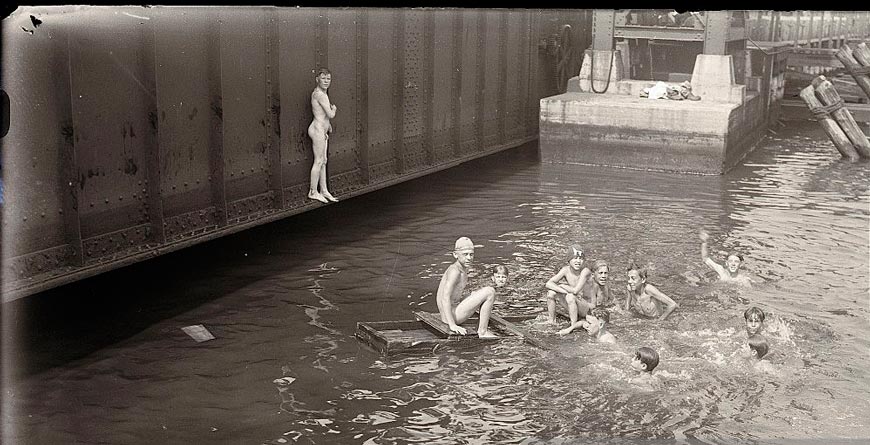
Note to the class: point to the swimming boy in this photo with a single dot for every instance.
(731, 270)
(562, 287)
(319, 131)
(455, 309)
(754, 318)
(758, 346)
(644, 361)
(644, 298)
(595, 325)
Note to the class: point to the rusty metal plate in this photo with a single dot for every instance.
(115, 124)
(442, 103)
(184, 109)
(296, 66)
(35, 178)
(243, 85)
(341, 47)
(493, 40)
(381, 89)
(470, 59)
(37, 263)
(413, 90)
(515, 42)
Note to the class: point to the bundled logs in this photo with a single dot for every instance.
(833, 130)
(857, 63)
(828, 107)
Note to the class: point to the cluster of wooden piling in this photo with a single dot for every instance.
(828, 107)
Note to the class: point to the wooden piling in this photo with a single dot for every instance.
(828, 96)
(834, 132)
(858, 72)
(862, 56)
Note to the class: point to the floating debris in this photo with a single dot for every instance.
(284, 381)
(198, 332)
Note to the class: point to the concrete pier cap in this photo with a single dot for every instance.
(603, 120)
(713, 79)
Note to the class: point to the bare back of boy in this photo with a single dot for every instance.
(455, 309)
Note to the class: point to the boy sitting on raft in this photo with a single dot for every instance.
(731, 270)
(455, 309)
(565, 286)
(644, 298)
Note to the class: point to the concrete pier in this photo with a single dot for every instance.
(621, 129)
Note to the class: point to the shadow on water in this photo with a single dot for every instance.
(70, 322)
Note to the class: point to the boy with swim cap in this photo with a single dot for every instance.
(455, 309)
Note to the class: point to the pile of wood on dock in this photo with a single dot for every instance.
(828, 105)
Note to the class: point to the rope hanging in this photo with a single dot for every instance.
(824, 112)
(858, 71)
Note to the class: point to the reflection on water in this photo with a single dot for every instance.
(283, 301)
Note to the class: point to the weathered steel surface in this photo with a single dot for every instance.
(138, 131)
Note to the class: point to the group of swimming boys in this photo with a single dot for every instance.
(584, 292)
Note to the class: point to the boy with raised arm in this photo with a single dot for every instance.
(455, 309)
(731, 270)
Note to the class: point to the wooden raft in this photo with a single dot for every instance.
(428, 333)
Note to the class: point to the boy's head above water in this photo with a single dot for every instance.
(500, 275)
(754, 320)
(600, 270)
(576, 257)
(758, 345)
(636, 275)
(463, 251)
(596, 319)
(645, 359)
(733, 262)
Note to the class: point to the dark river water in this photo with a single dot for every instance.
(105, 360)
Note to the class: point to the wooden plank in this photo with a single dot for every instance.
(434, 320)
(797, 110)
(510, 327)
(371, 337)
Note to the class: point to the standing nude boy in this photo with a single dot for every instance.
(319, 131)
(453, 307)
